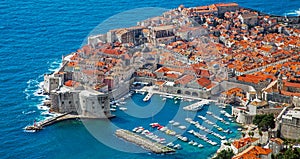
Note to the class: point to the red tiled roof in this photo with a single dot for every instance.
(226, 4)
(242, 142)
(204, 82)
(253, 152)
(185, 79)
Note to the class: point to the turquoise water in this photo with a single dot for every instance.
(33, 37)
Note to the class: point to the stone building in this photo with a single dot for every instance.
(290, 125)
(242, 144)
(276, 145)
(228, 7)
(162, 34)
(87, 103)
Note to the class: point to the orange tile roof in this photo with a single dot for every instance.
(69, 83)
(204, 82)
(159, 83)
(233, 91)
(253, 152)
(242, 142)
(277, 140)
(171, 75)
(226, 4)
(291, 84)
(163, 69)
(185, 79)
(290, 93)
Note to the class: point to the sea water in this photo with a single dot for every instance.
(33, 37)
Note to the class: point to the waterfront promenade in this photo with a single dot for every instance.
(150, 89)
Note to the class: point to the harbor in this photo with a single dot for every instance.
(191, 131)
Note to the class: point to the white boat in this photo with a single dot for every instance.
(188, 119)
(191, 142)
(169, 96)
(170, 144)
(139, 130)
(135, 129)
(182, 127)
(185, 139)
(123, 108)
(222, 111)
(112, 109)
(208, 112)
(201, 117)
(177, 146)
(195, 144)
(164, 128)
(176, 123)
(228, 115)
(191, 131)
(118, 104)
(151, 124)
(173, 133)
(200, 146)
(164, 99)
(171, 121)
(144, 132)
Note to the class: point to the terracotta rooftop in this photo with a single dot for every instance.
(185, 79)
(253, 152)
(226, 4)
(243, 142)
(277, 140)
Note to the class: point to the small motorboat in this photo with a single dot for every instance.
(112, 109)
(171, 121)
(182, 127)
(123, 108)
(170, 144)
(191, 142)
(200, 146)
(176, 123)
(177, 146)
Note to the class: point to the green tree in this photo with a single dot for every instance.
(243, 134)
(264, 121)
(288, 154)
(252, 134)
(225, 154)
(260, 135)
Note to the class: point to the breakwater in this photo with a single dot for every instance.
(143, 142)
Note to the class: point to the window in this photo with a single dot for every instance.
(70, 102)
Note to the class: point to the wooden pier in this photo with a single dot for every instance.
(143, 142)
